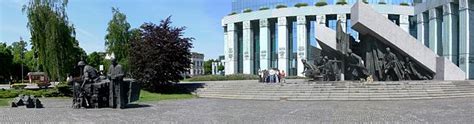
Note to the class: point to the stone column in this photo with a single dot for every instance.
(405, 23)
(343, 18)
(282, 44)
(247, 48)
(433, 39)
(231, 50)
(264, 44)
(302, 42)
(450, 33)
(420, 23)
(464, 36)
(226, 57)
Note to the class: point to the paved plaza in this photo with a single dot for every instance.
(201, 110)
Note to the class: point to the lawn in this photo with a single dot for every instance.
(4, 102)
(146, 96)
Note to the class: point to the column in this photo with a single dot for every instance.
(464, 39)
(282, 44)
(301, 35)
(264, 44)
(231, 50)
(433, 31)
(420, 23)
(321, 20)
(247, 48)
(405, 23)
(343, 18)
(226, 47)
(450, 33)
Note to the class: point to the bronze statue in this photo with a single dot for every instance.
(116, 75)
(392, 67)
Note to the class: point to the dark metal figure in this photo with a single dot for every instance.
(116, 76)
(393, 70)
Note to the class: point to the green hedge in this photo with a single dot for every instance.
(341, 2)
(223, 78)
(280, 6)
(232, 13)
(247, 10)
(321, 4)
(404, 4)
(60, 90)
(301, 5)
(382, 3)
(264, 8)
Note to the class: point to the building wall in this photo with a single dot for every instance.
(287, 35)
(446, 27)
(197, 66)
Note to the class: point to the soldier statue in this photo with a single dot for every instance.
(84, 93)
(116, 75)
(393, 71)
(356, 66)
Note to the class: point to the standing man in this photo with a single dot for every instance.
(116, 75)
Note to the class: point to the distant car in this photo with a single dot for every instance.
(39, 78)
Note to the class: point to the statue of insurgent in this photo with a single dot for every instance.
(84, 90)
(356, 66)
(116, 75)
(410, 71)
(392, 67)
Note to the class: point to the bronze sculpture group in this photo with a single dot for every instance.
(367, 59)
(90, 90)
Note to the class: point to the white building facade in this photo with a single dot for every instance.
(447, 27)
(271, 37)
(197, 66)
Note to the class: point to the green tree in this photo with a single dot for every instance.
(118, 36)
(160, 55)
(6, 60)
(208, 66)
(95, 59)
(52, 37)
(18, 50)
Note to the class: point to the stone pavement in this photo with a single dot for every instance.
(201, 110)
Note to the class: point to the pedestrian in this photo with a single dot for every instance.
(282, 76)
(260, 75)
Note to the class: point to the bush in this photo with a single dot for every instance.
(232, 13)
(19, 86)
(321, 4)
(382, 2)
(404, 4)
(301, 5)
(341, 2)
(365, 1)
(247, 10)
(61, 90)
(264, 8)
(223, 78)
(280, 6)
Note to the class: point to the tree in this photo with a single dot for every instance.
(118, 36)
(6, 60)
(95, 59)
(160, 55)
(18, 51)
(208, 66)
(52, 37)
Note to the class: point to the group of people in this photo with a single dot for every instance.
(273, 75)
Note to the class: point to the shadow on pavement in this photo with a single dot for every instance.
(135, 105)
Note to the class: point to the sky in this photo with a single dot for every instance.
(202, 18)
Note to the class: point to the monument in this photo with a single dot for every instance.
(384, 53)
(90, 90)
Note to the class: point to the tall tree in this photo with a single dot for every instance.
(95, 59)
(52, 37)
(18, 51)
(160, 55)
(118, 36)
(208, 66)
(6, 60)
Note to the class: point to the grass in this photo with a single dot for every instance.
(4, 102)
(146, 96)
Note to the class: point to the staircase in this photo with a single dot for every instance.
(301, 90)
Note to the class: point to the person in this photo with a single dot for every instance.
(116, 75)
(260, 75)
(271, 74)
(282, 76)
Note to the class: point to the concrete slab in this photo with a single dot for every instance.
(366, 20)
